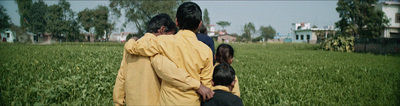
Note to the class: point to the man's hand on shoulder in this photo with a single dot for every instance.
(205, 92)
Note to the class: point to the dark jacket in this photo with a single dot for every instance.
(223, 98)
(208, 41)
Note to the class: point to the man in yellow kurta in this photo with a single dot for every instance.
(137, 83)
(185, 51)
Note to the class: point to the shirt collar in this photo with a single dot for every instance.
(217, 63)
(220, 87)
(187, 33)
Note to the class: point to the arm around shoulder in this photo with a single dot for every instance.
(168, 71)
(146, 46)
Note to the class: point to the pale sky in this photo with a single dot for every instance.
(279, 14)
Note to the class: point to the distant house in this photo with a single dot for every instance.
(89, 37)
(392, 11)
(303, 33)
(43, 38)
(226, 38)
(211, 32)
(8, 36)
(119, 37)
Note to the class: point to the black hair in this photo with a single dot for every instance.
(171, 27)
(203, 29)
(189, 16)
(224, 53)
(160, 20)
(223, 74)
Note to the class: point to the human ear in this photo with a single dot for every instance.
(230, 61)
(161, 30)
(176, 22)
(233, 83)
(212, 83)
(199, 24)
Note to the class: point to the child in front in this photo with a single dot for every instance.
(223, 82)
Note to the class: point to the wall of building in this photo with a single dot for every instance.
(304, 33)
(390, 9)
(8, 36)
(89, 38)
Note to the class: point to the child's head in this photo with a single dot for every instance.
(189, 16)
(224, 75)
(224, 54)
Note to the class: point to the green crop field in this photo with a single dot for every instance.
(269, 74)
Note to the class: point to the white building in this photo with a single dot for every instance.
(8, 36)
(392, 11)
(303, 33)
(211, 32)
(119, 37)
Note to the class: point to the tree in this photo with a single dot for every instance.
(314, 26)
(97, 20)
(206, 19)
(248, 29)
(139, 12)
(71, 25)
(102, 25)
(5, 20)
(37, 21)
(267, 32)
(55, 23)
(223, 24)
(85, 18)
(24, 11)
(360, 19)
(60, 21)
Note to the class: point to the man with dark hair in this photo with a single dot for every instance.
(137, 82)
(223, 82)
(186, 52)
(161, 22)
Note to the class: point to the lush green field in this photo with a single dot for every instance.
(269, 74)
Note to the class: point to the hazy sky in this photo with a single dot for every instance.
(279, 14)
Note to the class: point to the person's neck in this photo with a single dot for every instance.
(156, 34)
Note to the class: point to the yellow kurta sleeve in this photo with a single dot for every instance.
(144, 47)
(207, 71)
(119, 87)
(235, 89)
(169, 72)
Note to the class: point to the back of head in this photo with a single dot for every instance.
(203, 29)
(224, 53)
(223, 74)
(160, 20)
(189, 16)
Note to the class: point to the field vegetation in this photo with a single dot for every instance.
(269, 74)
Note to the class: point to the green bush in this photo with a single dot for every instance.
(342, 44)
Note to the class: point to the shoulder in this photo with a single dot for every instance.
(228, 96)
(167, 38)
(203, 36)
(223, 98)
